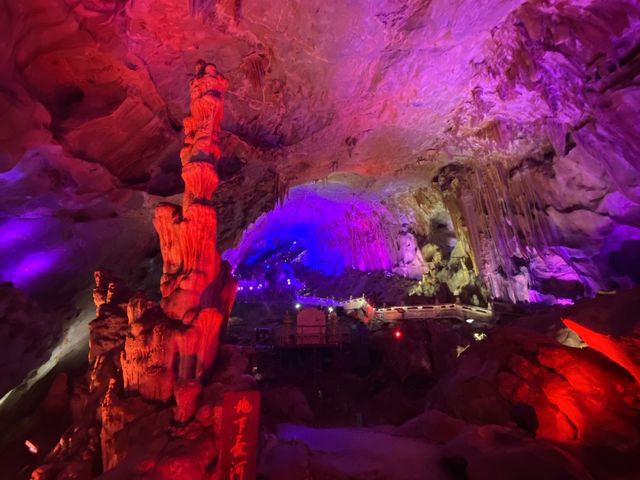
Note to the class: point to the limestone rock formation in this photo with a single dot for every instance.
(560, 393)
(170, 349)
(161, 352)
(543, 90)
(108, 330)
(514, 123)
(82, 447)
(202, 127)
(623, 350)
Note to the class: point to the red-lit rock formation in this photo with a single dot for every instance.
(161, 351)
(623, 350)
(108, 330)
(177, 346)
(556, 392)
(202, 127)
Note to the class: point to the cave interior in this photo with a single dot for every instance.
(410, 228)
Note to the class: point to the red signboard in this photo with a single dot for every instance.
(239, 444)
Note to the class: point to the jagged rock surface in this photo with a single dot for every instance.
(160, 352)
(556, 392)
(524, 113)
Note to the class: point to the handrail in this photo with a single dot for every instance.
(457, 310)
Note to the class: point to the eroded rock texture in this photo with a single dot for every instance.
(536, 95)
(160, 352)
(511, 123)
(560, 393)
(170, 353)
(553, 219)
(107, 332)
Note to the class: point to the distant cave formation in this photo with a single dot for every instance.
(336, 228)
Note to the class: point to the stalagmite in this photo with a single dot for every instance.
(168, 350)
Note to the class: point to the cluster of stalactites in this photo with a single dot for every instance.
(280, 189)
(500, 215)
(370, 239)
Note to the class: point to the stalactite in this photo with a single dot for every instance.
(281, 188)
(500, 216)
(237, 11)
(255, 67)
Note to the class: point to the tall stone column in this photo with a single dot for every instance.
(180, 344)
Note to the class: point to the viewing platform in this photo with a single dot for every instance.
(423, 312)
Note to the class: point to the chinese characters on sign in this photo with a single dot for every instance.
(239, 444)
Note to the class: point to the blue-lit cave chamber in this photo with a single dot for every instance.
(396, 242)
(347, 238)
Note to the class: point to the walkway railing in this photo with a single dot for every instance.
(446, 310)
(335, 334)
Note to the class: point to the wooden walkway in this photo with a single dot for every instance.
(423, 312)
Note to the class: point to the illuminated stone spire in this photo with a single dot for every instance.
(167, 356)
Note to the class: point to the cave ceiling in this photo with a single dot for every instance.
(392, 94)
(369, 87)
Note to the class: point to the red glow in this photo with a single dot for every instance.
(397, 334)
(31, 446)
(614, 350)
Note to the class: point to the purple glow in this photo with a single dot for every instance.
(18, 230)
(326, 229)
(564, 301)
(12, 176)
(31, 266)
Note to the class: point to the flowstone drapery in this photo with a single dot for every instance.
(498, 215)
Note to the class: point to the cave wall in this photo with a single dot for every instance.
(333, 226)
(378, 88)
(393, 231)
(553, 221)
